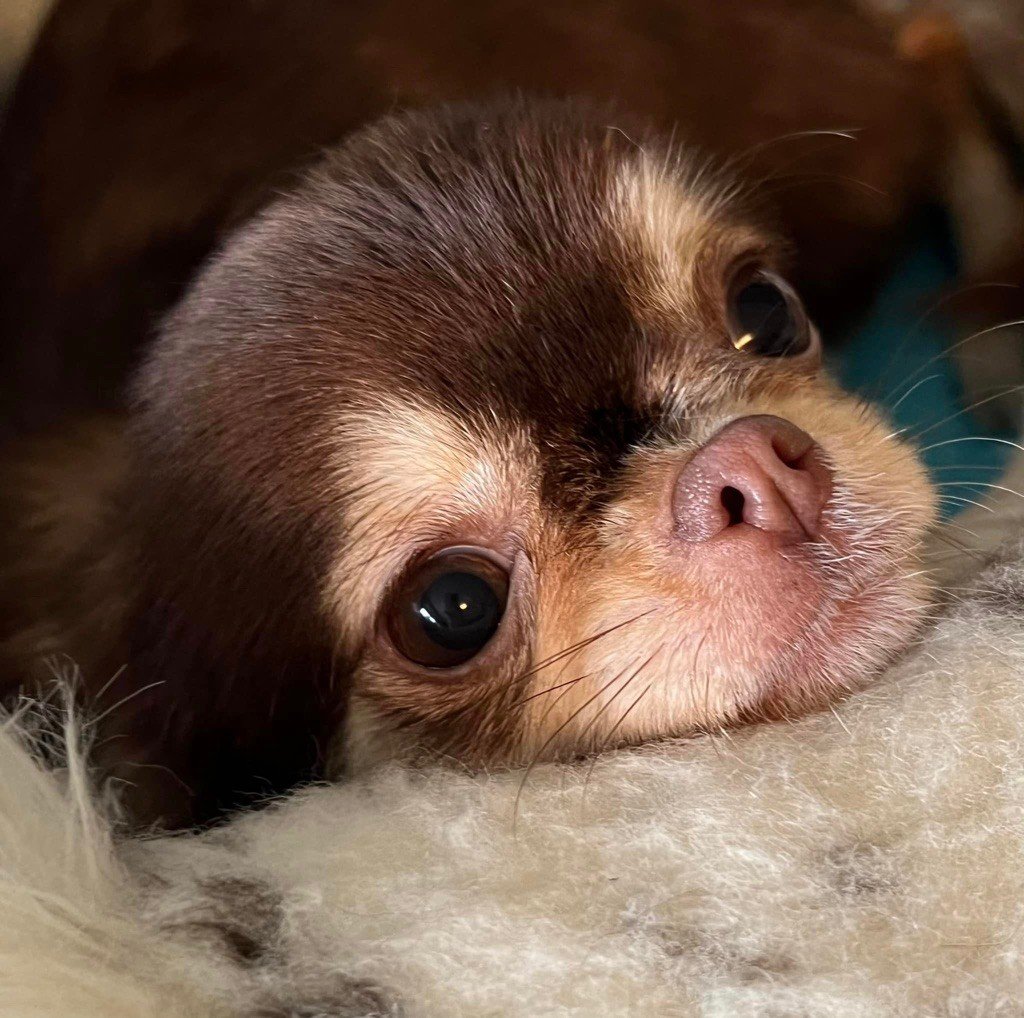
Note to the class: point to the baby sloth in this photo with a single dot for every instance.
(502, 439)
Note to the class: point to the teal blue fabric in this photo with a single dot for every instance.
(898, 358)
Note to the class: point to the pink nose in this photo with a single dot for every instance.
(760, 471)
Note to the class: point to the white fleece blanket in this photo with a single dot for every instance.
(866, 862)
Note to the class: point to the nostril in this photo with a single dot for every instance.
(732, 502)
(793, 457)
(786, 458)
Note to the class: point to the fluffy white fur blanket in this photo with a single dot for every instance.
(866, 862)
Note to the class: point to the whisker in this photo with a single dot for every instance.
(105, 688)
(967, 466)
(848, 133)
(549, 689)
(958, 547)
(966, 501)
(693, 671)
(964, 530)
(967, 409)
(980, 484)
(590, 724)
(551, 738)
(972, 438)
(911, 390)
(950, 349)
(915, 328)
(585, 642)
(608, 741)
(125, 699)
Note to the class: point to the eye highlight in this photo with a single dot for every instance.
(447, 610)
(766, 318)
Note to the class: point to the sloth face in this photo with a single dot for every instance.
(518, 414)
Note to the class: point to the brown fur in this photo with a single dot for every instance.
(61, 519)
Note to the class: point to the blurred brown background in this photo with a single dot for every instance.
(19, 22)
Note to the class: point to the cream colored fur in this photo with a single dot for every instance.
(866, 862)
(71, 940)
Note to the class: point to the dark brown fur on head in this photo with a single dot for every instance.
(497, 325)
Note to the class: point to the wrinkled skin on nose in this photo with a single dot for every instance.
(760, 473)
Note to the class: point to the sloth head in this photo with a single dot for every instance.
(505, 432)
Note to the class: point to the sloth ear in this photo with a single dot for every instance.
(198, 732)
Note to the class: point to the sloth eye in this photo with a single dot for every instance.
(766, 317)
(446, 611)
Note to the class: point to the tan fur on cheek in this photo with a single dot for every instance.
(612, 648)
(633, 663)
(553, 690)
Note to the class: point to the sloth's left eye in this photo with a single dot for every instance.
(766, 317)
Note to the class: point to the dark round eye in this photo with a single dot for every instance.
(446, 611)
(767, 318)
